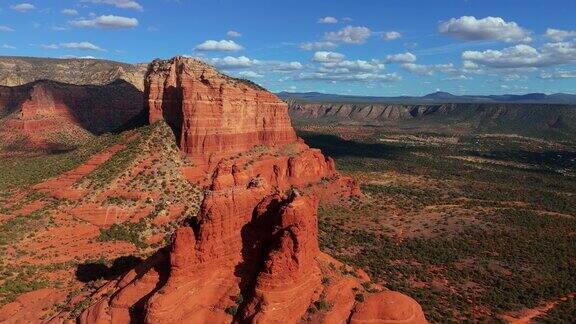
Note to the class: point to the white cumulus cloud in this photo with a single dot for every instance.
(282, 67)
(221, 46)
(106, 21)
(489, 28)
(230, 62)
(250, 75)
(90, 57)
(50, 46)
(523, 56)
(558, 75)
(315, 46)
(391, 35)
(428, 69)
(348, 66)
(558, 35)
(349, 35)
(233, 34)
(5, 29)
(328, 20)
(355, 77)
(401, 58)
(325, 57)
(23, 7)
(123, 4)
(70, 12)
(85, 46)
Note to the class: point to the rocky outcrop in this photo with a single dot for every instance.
(290, 277)
(42, 111)
(235, 263)
(214, 115)
(388, 307)
(251, 254)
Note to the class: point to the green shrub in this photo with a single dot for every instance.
(129, 232)
(232, 310)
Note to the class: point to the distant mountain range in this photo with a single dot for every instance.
(434, 98)
(16, 71)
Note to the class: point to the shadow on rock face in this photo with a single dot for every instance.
(87, 272)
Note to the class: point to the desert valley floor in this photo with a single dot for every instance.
(475, 227)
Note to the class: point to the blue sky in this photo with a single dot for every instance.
(363, 47)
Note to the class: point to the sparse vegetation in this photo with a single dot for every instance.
(29, 170)
(15, 281)
(469, 239)
(232, 310)
(129, 232)
(323, 305)
(18, 227)
(118, 163)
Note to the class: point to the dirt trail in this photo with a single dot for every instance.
(528, 315)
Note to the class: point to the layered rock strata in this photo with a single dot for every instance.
(211, 114)
(251, 254)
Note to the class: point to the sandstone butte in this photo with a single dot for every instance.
(252, 252)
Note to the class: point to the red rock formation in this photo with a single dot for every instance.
(254, 236)
(212, 114)
(388, 307)
(37, 110)
(269, 254)
(30, 307)
(290, 279)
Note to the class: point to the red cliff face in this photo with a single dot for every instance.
(214, 115)
(37, 110)
(289, 280)
(251, 254)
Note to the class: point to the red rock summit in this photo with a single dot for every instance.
(251, 254)
(211, 113)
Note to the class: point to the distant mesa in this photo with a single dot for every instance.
(15, 71)
(442, 110)
(440, 95)
(47, 103)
